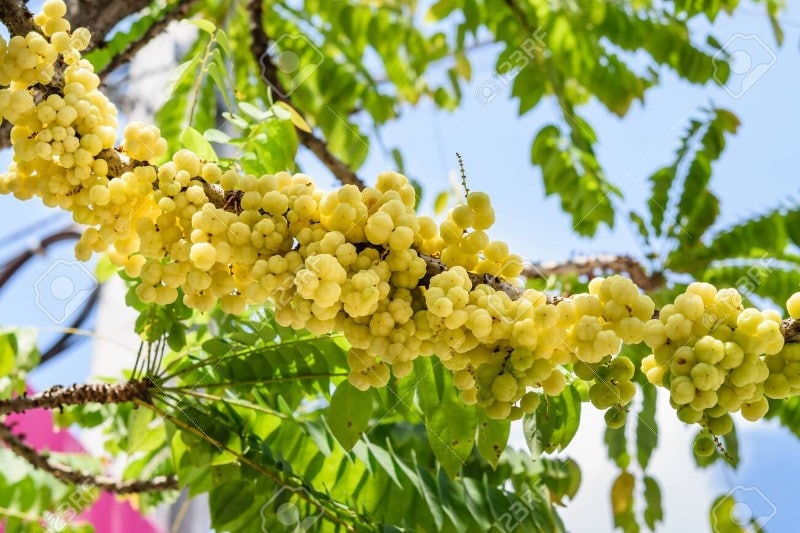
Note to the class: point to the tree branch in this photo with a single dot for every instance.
(259, 48)
(101, 17)
(58, 396)
(42, 461)
(179, 10)
(17, 17)
(595, 265)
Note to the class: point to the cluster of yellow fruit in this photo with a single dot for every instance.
(716, 357)
(363, 262)
(472, 249)
(60, 134)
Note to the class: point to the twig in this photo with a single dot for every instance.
(179, 10)
(42, 461)
(259, 48)
(101, 17)
(13, 265)
(590, 265)
(463, 174)
(78, 395)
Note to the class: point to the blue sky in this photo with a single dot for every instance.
(756, 172)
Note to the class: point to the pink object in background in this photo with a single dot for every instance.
(107, 514)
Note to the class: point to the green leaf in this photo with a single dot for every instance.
(104, 269)
(217, 347)
(554, 424)
(622, 498)
(7, 356)
(653, 513)
(663, 179)
(641, 226)
(723, 516)
(646, 427)
(100, 57)
(698, 208)
(349, 413)
(562, 478)
(492, 438)
(254, 112)
(428, 381)
(397, 157)
(194, 141)
(228, 502)
(440, 203)
(216, 136)
(224, 42)
(205, 25)
(176, 337)
(571, 171)
(451, 433)
(295, 117)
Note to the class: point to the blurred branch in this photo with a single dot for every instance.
(42, 461)
(259, 48)
(595, 266)
(101, 17)
(13, 265)
(178, 11)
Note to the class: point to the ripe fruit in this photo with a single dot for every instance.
(793, 305)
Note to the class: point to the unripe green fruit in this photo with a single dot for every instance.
(516, 413)
(727, 399)
(622, 369)
(704, 376)
(522, 358)
(720, 426)
(602, 372)
(504, 387)
(530, 402)
(683, 361)
(604, 395)
(688, 415)
(791, 352)
(615, 417)
(540, 370)
(583, 370)
(627, 390)
(663, 354)
(777, 387)
(703, 400)
(498, 410)
(709, 350)
(715, 411)
(704, 445)
(775, 363)
(756, 410)
(734, 355)
(682, 390)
